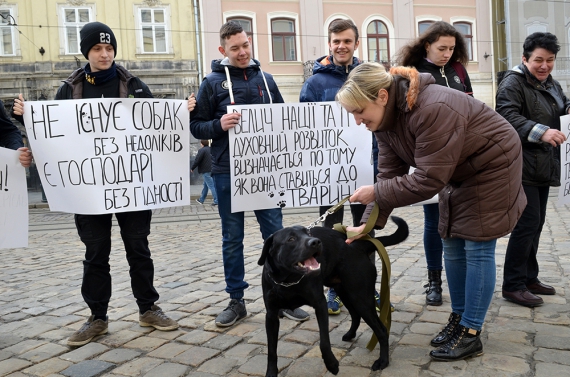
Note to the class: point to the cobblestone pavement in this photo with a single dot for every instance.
(41, 305)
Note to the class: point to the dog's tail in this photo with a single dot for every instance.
(399, 235)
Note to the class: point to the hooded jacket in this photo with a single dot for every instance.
(461, 149)
(326, 80)
(446, 76)
(525, 103)
(224, 86)
(129, 85)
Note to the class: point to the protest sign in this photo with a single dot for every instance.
(109, 155)
(564, 191)
(13, 201)
(297, 155)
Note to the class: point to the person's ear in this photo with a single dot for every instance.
(383, 96)
(356, 45)
(222, 50)
(524, 59)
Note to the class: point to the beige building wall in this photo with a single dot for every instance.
(312, 17)
(170, 72)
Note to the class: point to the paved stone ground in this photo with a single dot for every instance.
(41, 305)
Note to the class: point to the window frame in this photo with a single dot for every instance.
(79, 25)
(292, 17)
(425, 19)
(13, 10)
(468, 38)
(378, 37)
(283, 35)
(473, 36)
(139, 25)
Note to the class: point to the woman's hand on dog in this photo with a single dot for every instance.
(363, 195)
(357, 230)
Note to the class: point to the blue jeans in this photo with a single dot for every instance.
(433, 246)
(270, 221)
(208, 184)
(471, 274)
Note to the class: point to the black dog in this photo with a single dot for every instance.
(297, 263)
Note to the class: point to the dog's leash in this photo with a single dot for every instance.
(385, 310)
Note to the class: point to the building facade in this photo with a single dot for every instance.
(288, 35)
(156, 41)
(514, 20)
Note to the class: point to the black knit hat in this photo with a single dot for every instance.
(94, 33)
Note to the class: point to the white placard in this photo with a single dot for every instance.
(297, 155)
(564, 191)
(13, 201)
(108, 155)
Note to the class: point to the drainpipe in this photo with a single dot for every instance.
(198, 45)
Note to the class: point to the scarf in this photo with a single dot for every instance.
(100, 77)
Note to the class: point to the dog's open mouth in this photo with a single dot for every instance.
(308, 265)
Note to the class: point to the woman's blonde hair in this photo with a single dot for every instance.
(363, 84)
(366, 80)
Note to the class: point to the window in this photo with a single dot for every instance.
(153, 28)
(283, 39)
(465, 28)
(73, 21)
(423, 25)
(378, 48)
(8, 45)
(247, 25)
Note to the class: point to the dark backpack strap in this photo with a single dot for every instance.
(461, 73)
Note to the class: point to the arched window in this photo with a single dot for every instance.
(378, 47)
(247, 25)
(465, 28)
(423, 25)
(283, 39)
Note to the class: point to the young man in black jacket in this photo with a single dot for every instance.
(236, 79)
(101, 77)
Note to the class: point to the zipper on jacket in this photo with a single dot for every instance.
(244, 75)
(442, 69)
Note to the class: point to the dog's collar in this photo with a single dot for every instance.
(288, 284)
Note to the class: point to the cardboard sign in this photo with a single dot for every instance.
(13, 201)
(297, 155)
(109, 155)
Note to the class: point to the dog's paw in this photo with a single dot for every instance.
(348, 336)
(332, 366)
(380, 364)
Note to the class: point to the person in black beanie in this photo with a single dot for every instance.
(101, 77)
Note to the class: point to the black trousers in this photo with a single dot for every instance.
(521, 266)
(95, 233)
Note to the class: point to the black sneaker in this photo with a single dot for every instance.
(234, 312)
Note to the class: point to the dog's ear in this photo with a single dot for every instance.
(266, 247)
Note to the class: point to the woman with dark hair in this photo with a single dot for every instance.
(441, 51)
(533, 102)
(461, 149)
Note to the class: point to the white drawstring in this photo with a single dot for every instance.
(230, 85)
(266, 86)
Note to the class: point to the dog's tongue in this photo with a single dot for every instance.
(312, 263)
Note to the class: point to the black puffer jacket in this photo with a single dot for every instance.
(247, 87)
(523, 101)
